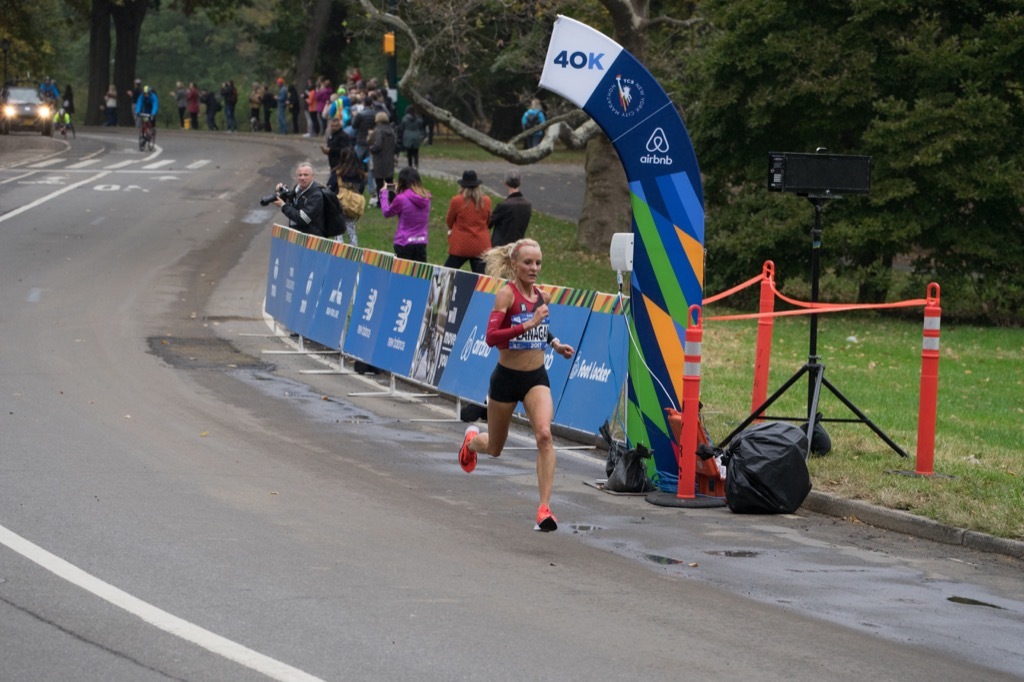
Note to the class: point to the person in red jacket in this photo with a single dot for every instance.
(468, 214)
(518, 328)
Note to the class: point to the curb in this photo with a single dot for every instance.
(903, 522)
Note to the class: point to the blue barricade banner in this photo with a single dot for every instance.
(368, 305)
(339, 285)
(402, 321)
(280, 273)
(310, 267)
(449, 297)
(429, 322)
(569, 310)
(468, 371)
(599, 369)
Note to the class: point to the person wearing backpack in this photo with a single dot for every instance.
(533, 117)
(305, 206)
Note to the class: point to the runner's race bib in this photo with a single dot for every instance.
(531, 339)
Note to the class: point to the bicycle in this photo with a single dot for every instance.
(147, 133)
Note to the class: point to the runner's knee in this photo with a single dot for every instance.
(543, 436)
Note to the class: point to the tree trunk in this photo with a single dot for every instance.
(127, 27)
(311, 44)
(606, 207)
(99, 61)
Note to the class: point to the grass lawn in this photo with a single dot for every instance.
(874, 360)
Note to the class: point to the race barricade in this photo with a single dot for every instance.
(427, 323)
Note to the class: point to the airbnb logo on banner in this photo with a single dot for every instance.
(657, 144)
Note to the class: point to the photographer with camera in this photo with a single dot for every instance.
(304, 203)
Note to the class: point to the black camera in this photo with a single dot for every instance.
(284, 193)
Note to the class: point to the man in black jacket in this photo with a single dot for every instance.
(305, 210)
(510, 218)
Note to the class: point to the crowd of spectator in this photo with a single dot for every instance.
(364, 142)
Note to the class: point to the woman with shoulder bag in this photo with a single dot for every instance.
(351, 181)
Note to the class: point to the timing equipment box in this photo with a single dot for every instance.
(819, 175)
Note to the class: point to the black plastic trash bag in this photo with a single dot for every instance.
(766, 470)
(626, 468)
(821, 442)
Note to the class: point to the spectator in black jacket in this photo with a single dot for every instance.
(510, 218)
(364, 122)
(337, 139)
(269, 105)
(209, 99)
(305, 209)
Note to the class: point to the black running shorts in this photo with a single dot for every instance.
(512, 385)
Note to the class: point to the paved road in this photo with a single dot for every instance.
(554, 188)
(148, 440)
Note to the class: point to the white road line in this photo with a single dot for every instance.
(156, 152)
(51, 195)
(121, 164)
(16, 177)
(83, 164)
(197, 164)
(159, 164)
(48, 162)
(159, 618)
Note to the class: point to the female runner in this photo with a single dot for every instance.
(518, 327)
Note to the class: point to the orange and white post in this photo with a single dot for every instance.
(686, 488)
(765, 327)
(927, 408)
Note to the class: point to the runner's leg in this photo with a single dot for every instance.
(540, 410)
(499, 417)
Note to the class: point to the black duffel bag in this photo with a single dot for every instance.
(766, 469)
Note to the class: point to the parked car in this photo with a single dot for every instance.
(22, 107)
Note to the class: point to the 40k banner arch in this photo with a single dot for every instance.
(598, 75)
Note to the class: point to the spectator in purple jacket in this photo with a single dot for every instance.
(410, 201)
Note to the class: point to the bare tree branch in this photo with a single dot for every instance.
(555, 127)
(672, 21)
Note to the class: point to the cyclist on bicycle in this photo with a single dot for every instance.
(48, 90)
(147, 104)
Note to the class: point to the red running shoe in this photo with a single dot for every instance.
(467, 458)
(546, 521)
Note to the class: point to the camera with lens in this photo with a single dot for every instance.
(285, 194)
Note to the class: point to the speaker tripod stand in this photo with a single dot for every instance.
(814, 369)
